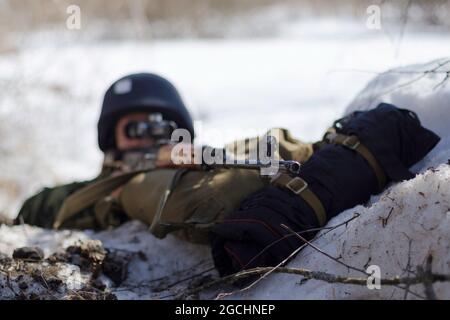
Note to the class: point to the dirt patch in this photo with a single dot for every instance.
(73, 274)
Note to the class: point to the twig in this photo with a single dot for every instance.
(319, 275)
(269, 271)
(384, 221)
(44, 281)
(408, 269)
(442, 83)
(221, 295)
(189, 278)
(427, 277)
(329, 229)
(323, 252)
(310, 274)
(409, 82)
(337, 260)
(148, 282)
(390, 71)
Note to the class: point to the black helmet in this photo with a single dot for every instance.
(136, 93)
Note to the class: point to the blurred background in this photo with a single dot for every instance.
(242, 66)
(118, 19)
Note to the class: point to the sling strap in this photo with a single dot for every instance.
(157, 222)
(300, 187)
(88, 195)
(352, 142)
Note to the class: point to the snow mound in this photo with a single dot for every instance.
(424, 89)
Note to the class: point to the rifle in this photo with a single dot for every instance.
(160, 157)
(289, 166)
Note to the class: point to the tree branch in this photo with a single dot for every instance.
(318, 275)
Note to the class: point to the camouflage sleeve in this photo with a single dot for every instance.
(41, 209)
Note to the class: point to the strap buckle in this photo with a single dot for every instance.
(297, 185)
(351, 142)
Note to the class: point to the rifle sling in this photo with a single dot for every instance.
(88, 195)
(352, 142)
(300, 187)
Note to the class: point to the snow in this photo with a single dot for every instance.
(51, 98)
(421, 88)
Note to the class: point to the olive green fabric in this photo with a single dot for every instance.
(41, 209)
(288, 147)
(94, 192)
(197, 199)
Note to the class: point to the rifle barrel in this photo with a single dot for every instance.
(292, 167)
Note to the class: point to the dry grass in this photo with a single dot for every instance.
(33, 14)
(193, 18)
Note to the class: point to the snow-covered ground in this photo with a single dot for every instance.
(51, 95)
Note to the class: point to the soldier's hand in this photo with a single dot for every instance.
(253, 236)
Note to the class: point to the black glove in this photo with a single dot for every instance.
(253, 235)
